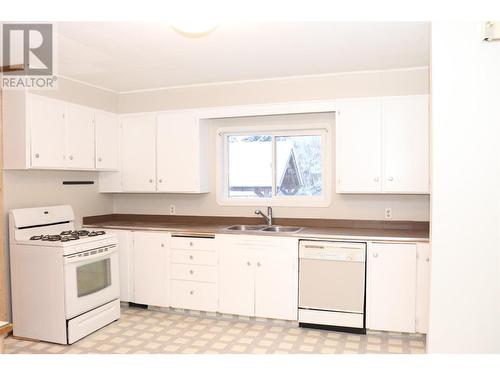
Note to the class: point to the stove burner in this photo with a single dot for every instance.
(67, 235)
(51, 238)
(71, 237)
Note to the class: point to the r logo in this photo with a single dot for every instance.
(27, 49)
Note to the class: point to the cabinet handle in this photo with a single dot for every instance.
(390, 178)
(71, 157)
(191, 272)
(427, 259)
(99, 159)
(376, 179)
(162, 245)
(375, 255)
(191, 257)
(258, 264)
(150, 180)
(191, 292)
(160, 181)
(191, 244)
(248, 263)
(37, 156)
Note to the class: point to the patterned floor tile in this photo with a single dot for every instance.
(181, 331)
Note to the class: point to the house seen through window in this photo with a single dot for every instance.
(270, 166)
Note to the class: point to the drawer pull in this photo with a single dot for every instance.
(191, 292)
(248, 263)
(258, 264)
(191, 257)
(162, 245)
(191, 272)
(191, 244)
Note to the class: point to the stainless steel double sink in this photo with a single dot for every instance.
(264, 228)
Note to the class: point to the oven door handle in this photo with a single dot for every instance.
(80, 257)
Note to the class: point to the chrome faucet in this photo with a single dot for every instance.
(269, 217)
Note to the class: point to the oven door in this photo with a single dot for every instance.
(91, 280)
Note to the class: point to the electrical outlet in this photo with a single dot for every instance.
(172, 209)
(388, 213)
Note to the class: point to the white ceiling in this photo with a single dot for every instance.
(126, 56)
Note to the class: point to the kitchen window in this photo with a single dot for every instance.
(274, 166)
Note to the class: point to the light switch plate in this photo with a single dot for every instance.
(492, 31)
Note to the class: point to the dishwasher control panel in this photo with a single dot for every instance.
(335, 251)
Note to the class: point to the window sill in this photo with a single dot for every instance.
(306, 202)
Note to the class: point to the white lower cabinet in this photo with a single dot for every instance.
(151, 268)
(391, 287)
(193, 273)
(126, 259)
(423, 286)
(258, 276)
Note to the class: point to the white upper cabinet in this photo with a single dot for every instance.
(107, 135)
(406, 144)
(181, 163)
(164, 152)
(79, 137)
(138, 145)
(45, 133)
(358, 142)
(46, 119)
(382, 145)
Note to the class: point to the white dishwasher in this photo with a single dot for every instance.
(332, 285)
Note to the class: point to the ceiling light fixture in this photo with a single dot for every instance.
(194, 28)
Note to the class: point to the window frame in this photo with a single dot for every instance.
(322, 129)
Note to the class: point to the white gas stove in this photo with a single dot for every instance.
(65, 282)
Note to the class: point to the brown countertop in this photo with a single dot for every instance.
(312, 228)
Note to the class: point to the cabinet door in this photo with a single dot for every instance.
(126, 258)
(236, 278)
(151, 280)
(79, 137)
(406, 144)
(178, 153)
(276, 279)
(139, 153)
(107, 137)
(46, 118)
(423, 286)
(358, 146)
(391, 288)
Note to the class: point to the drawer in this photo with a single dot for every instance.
(190, 243)
(207, 258)
(193, 272)
(194, 295)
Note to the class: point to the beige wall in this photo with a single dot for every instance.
(343, 206)
(389, 82)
